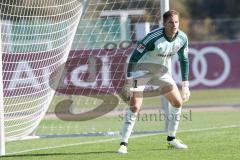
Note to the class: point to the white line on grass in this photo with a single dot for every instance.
(113, 139)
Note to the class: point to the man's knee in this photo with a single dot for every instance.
(135, 109)
(136, 101)
(135, 104)
(177, 103)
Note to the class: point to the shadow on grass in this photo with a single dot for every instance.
(160, 149)
(57, 154)
(72, 154)
(148, 150)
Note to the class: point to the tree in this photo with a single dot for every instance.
(200, 9)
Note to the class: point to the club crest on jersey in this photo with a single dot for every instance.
(140, 48)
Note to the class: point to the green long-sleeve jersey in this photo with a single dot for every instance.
(156, 48)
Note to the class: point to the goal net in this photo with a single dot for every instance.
(36, 37)
(88, 98)
(89, 43)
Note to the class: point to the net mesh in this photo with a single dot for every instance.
(36, 37)
(95, 70)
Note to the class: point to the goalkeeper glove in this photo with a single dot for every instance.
(185, 91)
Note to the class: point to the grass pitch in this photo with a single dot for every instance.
(209, 134)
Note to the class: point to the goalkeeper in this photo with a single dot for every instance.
(158, 47)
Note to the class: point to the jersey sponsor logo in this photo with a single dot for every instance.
(165, 55)
(140, 48)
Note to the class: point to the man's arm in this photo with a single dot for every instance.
(137, 54)
(184, 65)
(184, 62)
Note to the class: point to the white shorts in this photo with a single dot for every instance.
(150, 82)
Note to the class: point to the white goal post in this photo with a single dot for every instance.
(164, 4)
(2, 127)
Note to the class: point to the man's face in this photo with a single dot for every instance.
(171, 25)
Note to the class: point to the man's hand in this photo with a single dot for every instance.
(185, 91)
